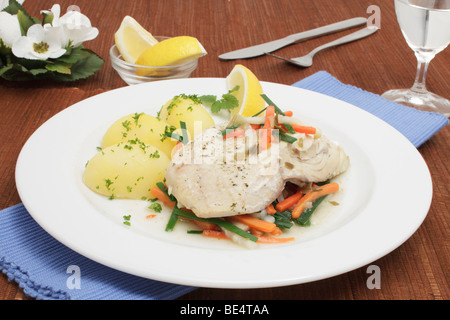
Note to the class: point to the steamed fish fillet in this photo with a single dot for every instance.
(214, 177)
(311, 160)
(217, 177)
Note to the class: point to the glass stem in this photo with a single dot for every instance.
(421, 75)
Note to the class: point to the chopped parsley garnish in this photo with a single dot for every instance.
(168, 132)
(155, 207)
(155, 155)
(126, 220)
(136, 117)
(108, 183)
(126, 124)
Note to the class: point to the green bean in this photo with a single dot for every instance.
(221, 223)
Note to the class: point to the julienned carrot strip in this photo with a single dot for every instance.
(256, 233)
(255, 223)
(255, 126)
(234, 134)
(270, 115)
(270, 209)
(265, 138)
(289, 201)
(313, 195)
(150, 216)
(288, 113)
(304, 129)
(274, 240)
(160, 195)
(277, 232)
(214, 234)
(266, 130)
(204, 225)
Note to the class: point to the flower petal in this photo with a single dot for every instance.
(36, 33)
(23, 47)
(9, 28)
(55, 52)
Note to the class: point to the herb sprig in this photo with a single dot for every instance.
(228, 101)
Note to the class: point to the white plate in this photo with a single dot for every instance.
(386, 195)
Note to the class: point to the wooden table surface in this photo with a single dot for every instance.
(418, 269)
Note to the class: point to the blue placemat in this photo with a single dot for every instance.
(418, 126)
(46, 269)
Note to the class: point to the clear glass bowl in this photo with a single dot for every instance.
(135, 74)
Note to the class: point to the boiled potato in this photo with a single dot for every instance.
(147, 129)
(126, 170)
(188, 109)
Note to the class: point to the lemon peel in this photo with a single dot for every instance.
(132, 39)
(249, 92)
(172, 51)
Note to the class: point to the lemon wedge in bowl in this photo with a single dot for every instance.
(172, 51)
(249, 92)
(132, 39)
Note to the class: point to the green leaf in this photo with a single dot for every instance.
(86, 66)
(47, 18)
(13, 7)
(72, 58)
(4, 49)
(25, 22)
(60, 67)
(36, 72)
(208, 100)
(5, 69)
(16, 72)
(31, 64)
(227, 102)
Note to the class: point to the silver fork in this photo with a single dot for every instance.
(307, 60)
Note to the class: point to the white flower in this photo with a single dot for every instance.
(75, 26)
(78, 28)
(39, 44)
(9, 28)
(5, 3)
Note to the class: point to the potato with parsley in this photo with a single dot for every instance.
(126, 170)
(189, 109)
(148, 129)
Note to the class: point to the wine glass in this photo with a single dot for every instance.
(425, 24)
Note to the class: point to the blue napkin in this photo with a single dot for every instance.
(46, 269)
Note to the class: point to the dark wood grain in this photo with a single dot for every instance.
(418, 269)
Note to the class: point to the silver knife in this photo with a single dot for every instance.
(260, 49)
